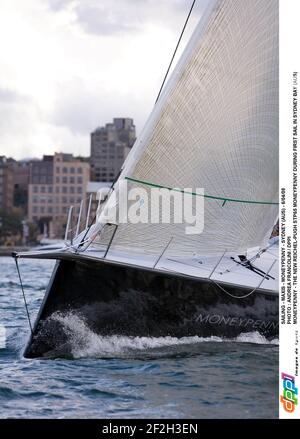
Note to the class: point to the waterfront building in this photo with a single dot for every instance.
(6, 185)
(56, 183)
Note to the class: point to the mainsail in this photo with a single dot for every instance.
(216, 127)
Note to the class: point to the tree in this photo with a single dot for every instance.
(10, 225)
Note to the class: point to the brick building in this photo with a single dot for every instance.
(56, 183)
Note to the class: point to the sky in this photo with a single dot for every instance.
(69, 66)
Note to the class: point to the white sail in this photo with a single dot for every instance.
(215, 127)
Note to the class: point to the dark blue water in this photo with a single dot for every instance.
(112, 377)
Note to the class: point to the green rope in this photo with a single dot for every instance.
(234, 200)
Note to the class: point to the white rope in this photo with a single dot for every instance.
(251, 292)
(232, 295)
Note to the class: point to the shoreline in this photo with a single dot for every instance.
(7, 251)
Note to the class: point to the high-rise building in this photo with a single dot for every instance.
(109, 147)
(6, 185)
(56, 183)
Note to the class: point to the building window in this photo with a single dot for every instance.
(42, 209)
(35, 209)
(64, 190)
(65, 170)
(43, 189)
(49, 189)
(64, 200)
(65, 180)
(71, 189)
(79, 170)
(79, 180)
(57, 169)
(79, 190)
(57, 179)
(72, 180)
(57, 190)
(35, 189)
(49, 209)
(72, 170)
(35, 200)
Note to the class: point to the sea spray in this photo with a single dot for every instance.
(86, 343)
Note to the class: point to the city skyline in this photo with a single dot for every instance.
(38, 193)
(107, 125)
(68, 66)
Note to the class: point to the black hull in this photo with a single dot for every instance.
(116, 299)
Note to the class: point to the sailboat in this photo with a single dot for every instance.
(215, 126)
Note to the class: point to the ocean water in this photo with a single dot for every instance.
(123, 377)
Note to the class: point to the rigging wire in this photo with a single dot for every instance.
(159, 93)
(175, 51)
(160, 90)
(261, 251)
(256, 256)
(23, 293)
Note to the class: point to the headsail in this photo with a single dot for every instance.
(216, 127)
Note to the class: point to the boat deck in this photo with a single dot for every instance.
(225, 269)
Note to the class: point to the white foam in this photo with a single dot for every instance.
(2, 337)
(86, 343)
(256, 338)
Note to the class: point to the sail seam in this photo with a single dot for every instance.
(224, 199)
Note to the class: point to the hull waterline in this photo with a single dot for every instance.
(115, 299)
